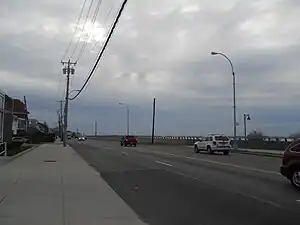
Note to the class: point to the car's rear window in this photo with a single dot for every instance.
(221, 138)
(130, 136)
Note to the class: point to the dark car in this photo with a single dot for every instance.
(128, 140)
(291, 163)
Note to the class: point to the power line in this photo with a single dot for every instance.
(90, 32)
(108, 14)
(102, 50)
(82, 30)
(75, 30)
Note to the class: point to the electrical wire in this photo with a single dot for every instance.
(91, 30)
(107, 33)
(82, 30)
(102, 50)
(106, 18)
(74, 32)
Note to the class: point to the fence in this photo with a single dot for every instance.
(3, 148)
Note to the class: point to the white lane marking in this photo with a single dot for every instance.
(214, 162)
(163, 163)
(230, 190)
(124, 153)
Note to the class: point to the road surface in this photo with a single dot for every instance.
(174, 186)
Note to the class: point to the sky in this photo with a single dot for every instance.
(161, 49)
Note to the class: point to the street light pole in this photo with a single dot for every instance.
(246, 117)
(234, 98)
(96, 128)
(127, 116)
(153, 120)
(127, 109)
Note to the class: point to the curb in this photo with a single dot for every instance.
(258, 153)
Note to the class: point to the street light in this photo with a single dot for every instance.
(127, 112)
(234, 104)
(246, 117)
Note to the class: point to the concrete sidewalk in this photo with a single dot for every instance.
(53, 185)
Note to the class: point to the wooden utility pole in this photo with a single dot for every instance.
(68, 70)
(27, 120)
(61, 119)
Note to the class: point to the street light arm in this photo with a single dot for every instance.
(225, 56)
(125, 105)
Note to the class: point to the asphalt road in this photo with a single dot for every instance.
(174, 186)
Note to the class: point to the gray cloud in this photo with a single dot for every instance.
(161, 49)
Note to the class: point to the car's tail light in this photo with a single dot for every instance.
(214, 143)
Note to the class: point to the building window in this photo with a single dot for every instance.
(22, 124)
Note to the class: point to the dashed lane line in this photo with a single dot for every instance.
(213, 162)
(163, 163)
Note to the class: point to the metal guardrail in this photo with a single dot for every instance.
(270, 143)
(238, 138)
(5, 148)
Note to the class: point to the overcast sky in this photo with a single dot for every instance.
(161, 48)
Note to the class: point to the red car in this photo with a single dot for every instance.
(291, 163)
(128, 140)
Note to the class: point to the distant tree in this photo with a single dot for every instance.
(46, 127)
(255, 135)
(73, 134)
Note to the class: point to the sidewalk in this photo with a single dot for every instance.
(53, 185)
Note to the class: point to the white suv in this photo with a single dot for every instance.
(213, 143)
